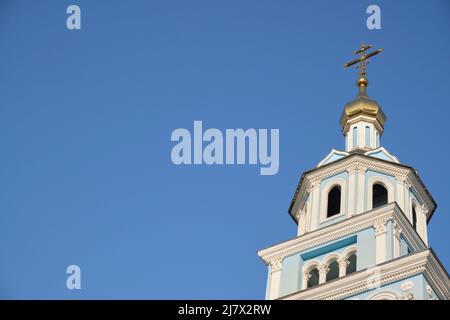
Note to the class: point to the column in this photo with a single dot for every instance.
(380, 241)
(343, 263)
(351, 190)
(301, 219)
(361, 189)
(407, 201)
(315, 205)
(423, 223)
(276, 265)
(397, 239)
(306, 277)
(323, 269)
(400, 186)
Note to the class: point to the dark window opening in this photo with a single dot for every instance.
(333, 271)
(334, 201)
(379, 196)
(314, 278)
(414, 218)
(351, 266)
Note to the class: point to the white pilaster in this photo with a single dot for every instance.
(407, 200)
(397, 239)
(361, 189)
(380, 241)
(351, 191)
(422, 216)
(400, 186)
(276, 266)
(315, 205)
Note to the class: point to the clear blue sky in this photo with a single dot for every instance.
(86, 116)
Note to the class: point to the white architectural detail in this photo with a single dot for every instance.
(388, 155)
(407, 286)
(343, 263)
(361, 172)
(380, 240)
(332, 153)
(323, 269)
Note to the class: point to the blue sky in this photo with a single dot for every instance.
(86, 117)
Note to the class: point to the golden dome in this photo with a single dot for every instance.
(362, 105)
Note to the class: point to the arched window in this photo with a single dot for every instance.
(351, 266)
(334, 201)
(414, 217)
(367, 136)
(379, 195)
(313, 279)
(355, 137)
(333, 271)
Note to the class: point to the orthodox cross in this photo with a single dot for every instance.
(363, 59)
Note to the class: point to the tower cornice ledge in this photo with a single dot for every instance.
(369, 219)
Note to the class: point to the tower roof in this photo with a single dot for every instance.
(362, 104)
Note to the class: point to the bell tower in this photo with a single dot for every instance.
(361, 219)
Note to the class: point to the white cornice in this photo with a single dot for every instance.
(389, 212)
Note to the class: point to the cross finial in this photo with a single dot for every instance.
(363, 61)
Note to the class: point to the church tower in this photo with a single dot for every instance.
(361, 220)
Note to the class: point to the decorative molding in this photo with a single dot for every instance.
(380, 226)
(391, 271)
(276, 264)
(345, 228)
(407, 286)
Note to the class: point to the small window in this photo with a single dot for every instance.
(367, 136)
(334, 201)
(355, 137)
(414, 217)
(379, 195)
(333, 271)
(378, 139)
(351, 266)
(313, 279)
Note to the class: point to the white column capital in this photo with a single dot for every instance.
(352, 169)
(380, 226)
(397, 230)
(276, 264)
(401, 178)
(361, 169)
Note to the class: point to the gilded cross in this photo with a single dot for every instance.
(363, 59)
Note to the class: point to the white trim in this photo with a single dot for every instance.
(386, 294)
(387, 153)
(343, 229)
(332, 153)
